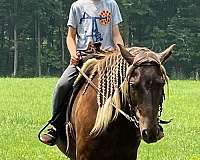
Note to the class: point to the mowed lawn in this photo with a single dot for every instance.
(25, 106)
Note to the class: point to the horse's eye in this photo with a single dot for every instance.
(132, 85)
(159, 81)
(134, 81)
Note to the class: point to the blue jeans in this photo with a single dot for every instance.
(62, 94)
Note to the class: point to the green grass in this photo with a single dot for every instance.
(25, 107)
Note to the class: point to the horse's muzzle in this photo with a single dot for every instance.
(152, 135)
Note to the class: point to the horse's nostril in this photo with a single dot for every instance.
(145, 133)
(160, 133)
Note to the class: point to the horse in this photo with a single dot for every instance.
(117, 106)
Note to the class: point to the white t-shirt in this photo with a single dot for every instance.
(94, 21)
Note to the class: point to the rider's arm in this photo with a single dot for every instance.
(71, 44)
(117, 38)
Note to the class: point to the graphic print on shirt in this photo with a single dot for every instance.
(104, 19)
(107, 17)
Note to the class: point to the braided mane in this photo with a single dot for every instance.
(111, 72)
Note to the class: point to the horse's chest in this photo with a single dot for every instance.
(117, 143)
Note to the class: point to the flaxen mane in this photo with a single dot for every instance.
(111, 72)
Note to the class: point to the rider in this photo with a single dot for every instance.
(90, 21)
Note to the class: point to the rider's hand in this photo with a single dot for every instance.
(75, 58)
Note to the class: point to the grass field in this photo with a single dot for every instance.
(25, 107)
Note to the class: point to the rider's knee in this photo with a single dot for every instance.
(63, 86)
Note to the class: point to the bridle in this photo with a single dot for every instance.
(131, 118)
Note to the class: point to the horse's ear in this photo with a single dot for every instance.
(166, 53)
(125, 54)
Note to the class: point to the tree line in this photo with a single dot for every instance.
(33, 32)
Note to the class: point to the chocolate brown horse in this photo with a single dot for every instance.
(108, 121)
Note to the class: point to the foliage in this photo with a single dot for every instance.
(153, 24)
